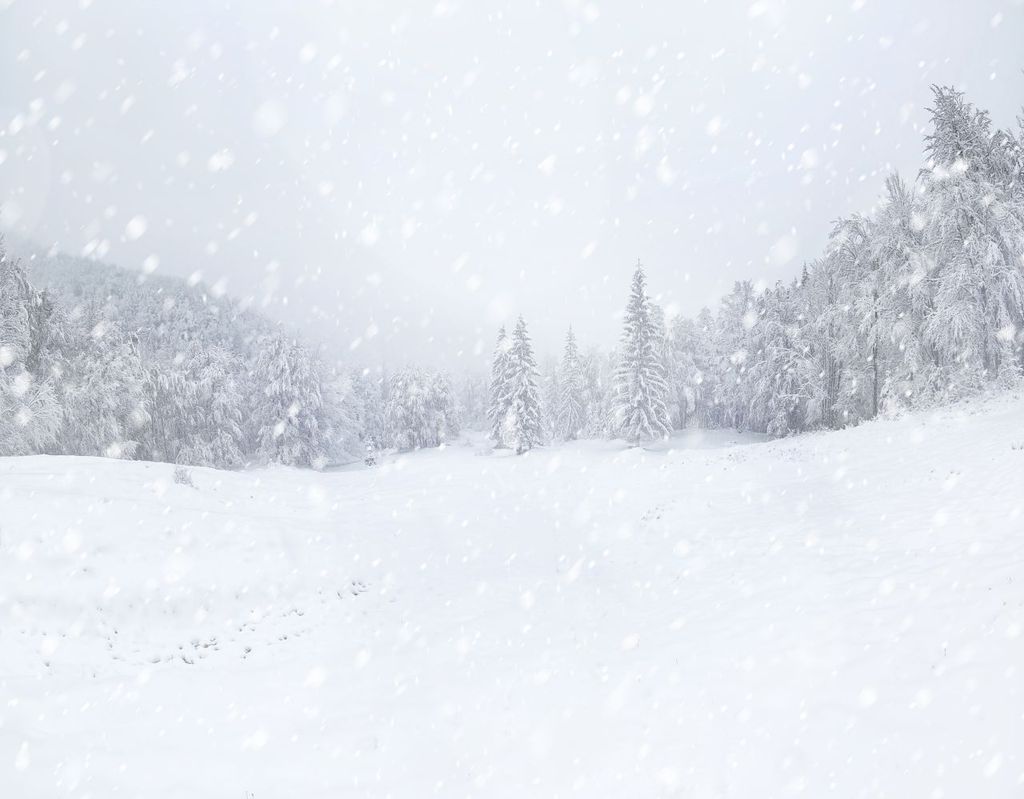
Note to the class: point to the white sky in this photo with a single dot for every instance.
(409, 175)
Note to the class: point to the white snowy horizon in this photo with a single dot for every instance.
(397, 179)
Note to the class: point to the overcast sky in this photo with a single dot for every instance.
(398, 178)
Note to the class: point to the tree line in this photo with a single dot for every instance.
(107, 362)
(919, 303)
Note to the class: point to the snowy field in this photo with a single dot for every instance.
(831, 615)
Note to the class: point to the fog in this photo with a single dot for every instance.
(397, 179)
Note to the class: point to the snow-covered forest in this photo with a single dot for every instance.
(918, 303)
(500, 399)
(104, 362)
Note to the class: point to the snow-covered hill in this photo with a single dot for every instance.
(832, 615)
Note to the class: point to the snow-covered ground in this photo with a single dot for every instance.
(832, 615)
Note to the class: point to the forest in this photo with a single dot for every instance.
(918, 303)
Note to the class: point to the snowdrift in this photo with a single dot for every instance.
(831, 615)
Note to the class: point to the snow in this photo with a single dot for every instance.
(838, 614)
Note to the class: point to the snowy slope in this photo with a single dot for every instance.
(832, 615)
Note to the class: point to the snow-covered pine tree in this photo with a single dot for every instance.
(497, 410)
(523, 421)
(571, 418)
(639, 407)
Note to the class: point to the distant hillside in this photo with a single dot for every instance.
(165, 312)
(97, 360)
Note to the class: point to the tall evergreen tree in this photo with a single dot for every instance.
(640, 412)
(523, 422)
(571, 413)
(497, 410)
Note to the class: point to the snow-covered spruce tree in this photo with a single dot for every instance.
(639, 405)
(524, 428)
(571, 412)
(498, 408)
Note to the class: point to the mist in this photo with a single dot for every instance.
(395, 180)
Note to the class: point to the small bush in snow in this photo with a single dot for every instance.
(183, 476)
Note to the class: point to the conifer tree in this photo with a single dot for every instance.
(523, 422)
(497, 410)
(571, 411)
(639, 410)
